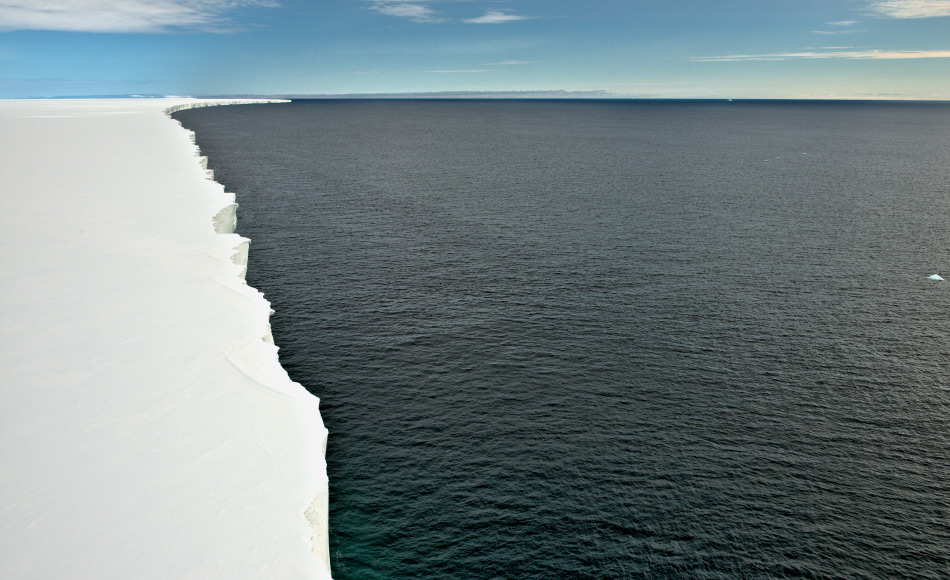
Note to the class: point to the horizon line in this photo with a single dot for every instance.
(487, 95)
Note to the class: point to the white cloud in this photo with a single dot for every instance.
(851, 54)
(421, 11)
(146, 16)
(842, 23)
(911, 8)
(495, 17)
(415, 11)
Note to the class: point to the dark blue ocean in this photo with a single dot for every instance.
(611, 339)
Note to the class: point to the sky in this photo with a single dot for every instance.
(879, 49)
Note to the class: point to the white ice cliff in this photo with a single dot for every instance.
(147, 429)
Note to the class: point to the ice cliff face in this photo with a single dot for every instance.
(148, 428)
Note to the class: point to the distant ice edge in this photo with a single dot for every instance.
(224, 222)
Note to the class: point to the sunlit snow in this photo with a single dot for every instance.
(147, 429)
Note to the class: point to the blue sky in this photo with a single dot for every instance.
(646, 48)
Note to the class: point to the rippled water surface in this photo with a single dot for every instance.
(611, 339)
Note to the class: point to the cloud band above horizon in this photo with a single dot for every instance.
(852, 54)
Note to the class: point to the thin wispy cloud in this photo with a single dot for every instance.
(495, 17)
(415, 11)
(422, 11)
(135, 16)
(510, 63)
(838, 27)
(455, 72)
(911, 8)
(851, 54)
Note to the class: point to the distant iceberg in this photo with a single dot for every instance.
(935, 277)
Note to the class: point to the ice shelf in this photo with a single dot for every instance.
(147, 429)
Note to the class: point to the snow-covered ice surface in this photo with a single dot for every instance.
(147, 429)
